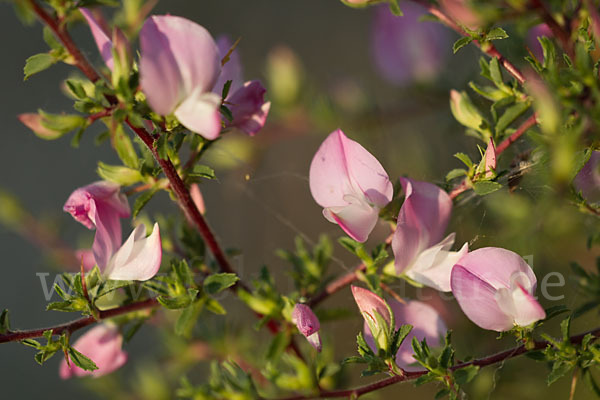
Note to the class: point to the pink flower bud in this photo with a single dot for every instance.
(490, 159)
(350, 184)
(197, 198)
(495, 287)
(532, 39)
(308, 324)
(101, 37)
(34, 122)
(370, 305)
(421, 251)
(102, 344)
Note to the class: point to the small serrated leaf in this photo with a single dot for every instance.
(216, 283)
(38, 63)
(81, 360)
(460, 43)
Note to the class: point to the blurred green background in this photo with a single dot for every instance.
(261, 200)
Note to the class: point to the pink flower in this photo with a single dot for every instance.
(494, 287)
(405, 49)
(587, 180)
(179, 67)
(426, 322)
(308, 324)
(101, 37)
(102, 344)
(86, 257)
(350, 184)
(534, 43)
(246, 101)
(462, 12)
(100, 205)
(420, 249)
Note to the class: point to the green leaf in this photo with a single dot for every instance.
(455, 173)
(496, 72)
(142, 200)
(125, 150)
(76, 88)
(216, 283)
(395, 8)
(277, 346)
(496, 34)
(559, 369)
(512, 113)
(162, 146)
(226, 88)
(460, 43)
(466, 374)
(187, 319)
(465, 159)
(122, 175)
(183, 272)
(203, 171)
(483, 188)
(38, 63)
(81, 361)
(214, 306)
(62, 123)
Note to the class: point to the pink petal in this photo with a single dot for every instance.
(139, 258)
(357, 218)
(406, 49)
(232, 70)
(532, 39)
(102, 344)
(34, 122)
(434, 265)
(106, 193)
(528, 308)
(108, 234)
(249, 108)
(160, 77)
(200, 114)
(368, 303)
(315, 341)
(422, 221)
(477, 300)
(587, 180)
(305, 319)
(497, 266)
(197, 198)
(100, 37)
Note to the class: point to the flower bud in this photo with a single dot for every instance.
(34, 122)
(308, 324)
(376, 314)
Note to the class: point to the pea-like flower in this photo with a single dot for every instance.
(179, 67)
(103, 345)
(495, 287)
(350, 184)
(421, 251)
(376, 314)
(308, 324)
(100, 205)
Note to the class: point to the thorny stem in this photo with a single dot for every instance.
(411, 375)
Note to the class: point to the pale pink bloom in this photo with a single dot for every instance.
(495, 287)
(350, 184)
(534, 43)
(179, 67)
(369, 305)
(100, 205)
(421, 251)
(102, 344)
(245, 100)
(101, 37)
(308, 324)
(405, 49)
(426, 322)
(587, 180)
(139, 257)
(490, 159)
